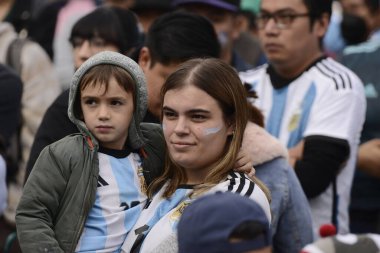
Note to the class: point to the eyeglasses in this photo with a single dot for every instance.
(95, 42)
(281, 19)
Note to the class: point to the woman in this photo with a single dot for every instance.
(204, 115)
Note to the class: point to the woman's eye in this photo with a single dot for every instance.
(198, 117)
(169, 115)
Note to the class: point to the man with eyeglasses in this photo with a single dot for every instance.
(313, 104)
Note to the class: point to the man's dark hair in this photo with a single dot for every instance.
(317, 8)
(178, 36)
(113, 24)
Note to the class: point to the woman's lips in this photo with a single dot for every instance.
(181, 145)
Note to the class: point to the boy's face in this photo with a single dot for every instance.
(107, 114)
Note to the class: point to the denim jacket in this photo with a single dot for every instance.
(291, 216)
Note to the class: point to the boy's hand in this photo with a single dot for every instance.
(244, 164)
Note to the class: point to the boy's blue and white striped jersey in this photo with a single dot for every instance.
(325, 100)
(159, 219)
(118, 204)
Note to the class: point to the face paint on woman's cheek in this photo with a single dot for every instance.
(212, 130)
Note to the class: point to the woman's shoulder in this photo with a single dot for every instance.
(240, 183)
(237, 182)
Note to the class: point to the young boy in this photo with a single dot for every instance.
(86, 190)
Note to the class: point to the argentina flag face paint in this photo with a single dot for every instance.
(212, 130)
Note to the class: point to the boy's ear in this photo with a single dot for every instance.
(144, 58)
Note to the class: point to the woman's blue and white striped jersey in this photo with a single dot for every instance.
(159, 219)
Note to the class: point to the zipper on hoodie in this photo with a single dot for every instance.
(86, 207)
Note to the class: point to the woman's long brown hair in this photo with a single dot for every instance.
(221, 82)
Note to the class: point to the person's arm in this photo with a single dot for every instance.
(321, 161)
(369, 157)
(293, 224)
(332, 133)
(40, 204)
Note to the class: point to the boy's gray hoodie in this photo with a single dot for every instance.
(135, 138)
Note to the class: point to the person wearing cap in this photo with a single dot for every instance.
(222, 14)
(204, 115)
(224, 222)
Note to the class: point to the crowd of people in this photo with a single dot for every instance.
(190, 126)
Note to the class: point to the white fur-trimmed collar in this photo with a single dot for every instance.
(261, 145)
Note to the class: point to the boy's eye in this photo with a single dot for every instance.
(90, 102)
(116, 102)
